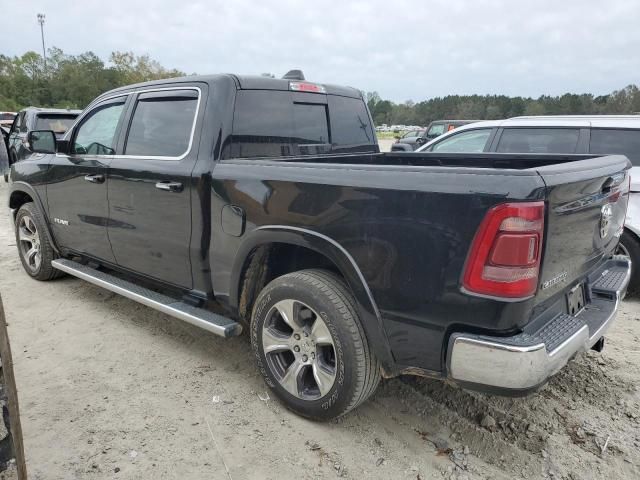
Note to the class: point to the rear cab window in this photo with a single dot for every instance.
(58, 123)
(539, 140)
(616, 141)
(270, 123)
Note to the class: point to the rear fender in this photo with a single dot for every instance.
(344, 262)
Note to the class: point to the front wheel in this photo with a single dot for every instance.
(310, 346)
(34, 247)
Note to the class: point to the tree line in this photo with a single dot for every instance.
(72, 81)
(490, 107)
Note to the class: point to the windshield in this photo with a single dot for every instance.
(57, 123)
(413, 133)
(436, 130)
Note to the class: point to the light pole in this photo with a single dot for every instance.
(44, 52)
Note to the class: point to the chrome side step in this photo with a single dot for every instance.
(225, 327)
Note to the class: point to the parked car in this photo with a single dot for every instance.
(235, 202)
(33, 118)
(409, 137)
(6, 118)
(599, 134)
(434, 130)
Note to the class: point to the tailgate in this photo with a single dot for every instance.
(586, 207)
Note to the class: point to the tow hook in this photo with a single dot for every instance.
(599, 345)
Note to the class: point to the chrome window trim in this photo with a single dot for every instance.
(151, 157)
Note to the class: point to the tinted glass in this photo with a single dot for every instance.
(7, 116)
(280, 124)
(57, 123)
(350, 126)
(472, 141)
(161, 127)
(626, 142)
(539, 140)
(96, 134)
(271, 124)
(310, 125)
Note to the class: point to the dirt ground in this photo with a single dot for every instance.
(111, 389)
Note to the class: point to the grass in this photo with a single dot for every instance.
(387, 135)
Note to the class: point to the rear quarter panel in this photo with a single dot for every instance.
(408, 229)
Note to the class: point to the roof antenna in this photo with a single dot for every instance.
(294, 75)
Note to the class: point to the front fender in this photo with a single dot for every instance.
(333, 251)
(24, 188)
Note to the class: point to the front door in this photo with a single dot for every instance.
(77, 181)
(149, 186)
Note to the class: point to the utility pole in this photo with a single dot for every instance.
(44, 52)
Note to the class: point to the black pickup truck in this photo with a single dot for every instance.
(237, 202)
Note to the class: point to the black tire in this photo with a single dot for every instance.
(629, 245)
(41, 270)
(356, 370)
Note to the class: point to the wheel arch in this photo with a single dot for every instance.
(337, 258)
(21, 193)
(633, 230)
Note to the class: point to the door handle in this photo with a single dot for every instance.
(97, 178)
(169, 186)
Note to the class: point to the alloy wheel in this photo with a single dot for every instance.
(29, 240)
(299, 349)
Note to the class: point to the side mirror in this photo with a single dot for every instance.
(42, 141)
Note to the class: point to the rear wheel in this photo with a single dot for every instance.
(629, 246)
(36, 252)
(310, 346)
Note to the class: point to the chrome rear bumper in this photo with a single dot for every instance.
(523, 362)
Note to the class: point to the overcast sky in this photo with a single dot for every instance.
(404, 50)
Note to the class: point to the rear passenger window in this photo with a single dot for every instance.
(539, 140)
(609, 141)
(162, 124)
(269, 123)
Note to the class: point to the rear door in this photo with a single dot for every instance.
(15, 140)
(150, 184)
(586, 205)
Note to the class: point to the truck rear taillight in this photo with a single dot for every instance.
(504, 259)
